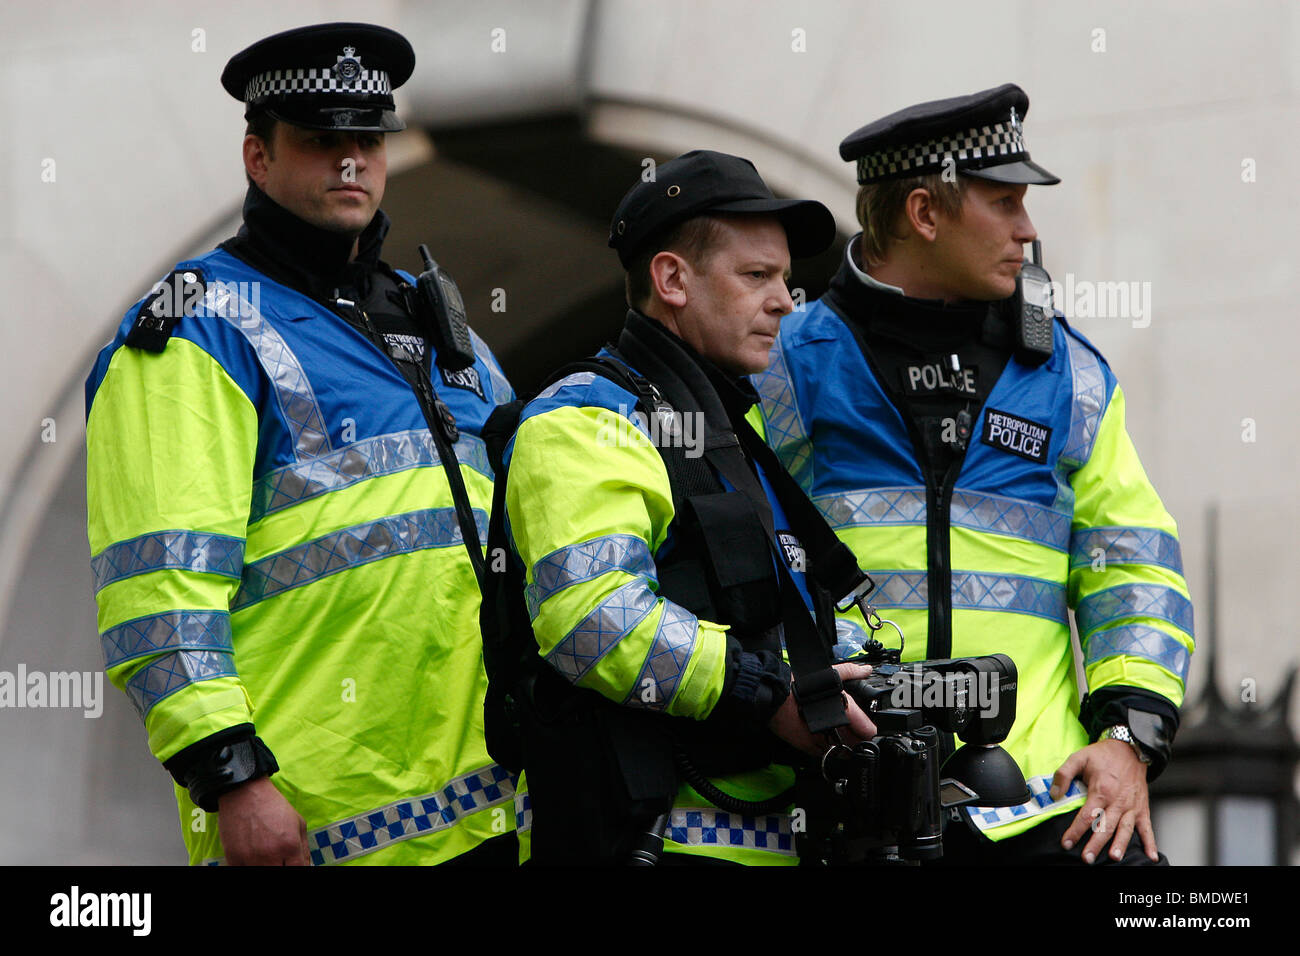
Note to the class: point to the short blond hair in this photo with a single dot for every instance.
(880, 205)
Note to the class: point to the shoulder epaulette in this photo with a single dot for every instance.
(181, 293)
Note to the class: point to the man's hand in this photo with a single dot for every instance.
(259, 828)
(1117, 799)
(788, 724)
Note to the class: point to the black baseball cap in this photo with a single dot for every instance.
(702, 182)
(338, 76)
(978, 135)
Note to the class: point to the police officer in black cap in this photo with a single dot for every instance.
(283, 502)
(971, 448)
(665, 549)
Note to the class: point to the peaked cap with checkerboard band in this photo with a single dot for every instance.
(978, 135)
(333, 76)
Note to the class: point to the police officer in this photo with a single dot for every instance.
(284, 509)
(974, 456)
(663, 566)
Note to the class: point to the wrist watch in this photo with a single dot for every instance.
(1121, 732)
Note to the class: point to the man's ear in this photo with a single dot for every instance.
(668, 278)
(256, 158)
(920, 215)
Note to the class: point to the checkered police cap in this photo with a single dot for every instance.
(328, 76)
(978, 135)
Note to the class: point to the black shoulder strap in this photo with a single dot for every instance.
(817, 683)
(158, 314)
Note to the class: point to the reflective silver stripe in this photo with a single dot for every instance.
(381, 455)
(565, 567)
(293, 391)
(175, 550)
(666, 662)
(1134, 600)
(785, 428)
(600, 630)
(876, 506)
(173, 671)
(706, 826)
(523, 812)
(970, 509)
(1010, 516)
(974, 591)
(1040, 801)
(501, 390)
(1139, 640)
(350, 548)
(1089, 400)
(1126, 546)
(575, 380)
(171, 631)
(409, 817)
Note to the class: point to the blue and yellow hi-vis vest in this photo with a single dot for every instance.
(1029, 540)
(274, 541)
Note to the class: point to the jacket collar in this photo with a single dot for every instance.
(689, 381)
(306, 257)
(921, 324)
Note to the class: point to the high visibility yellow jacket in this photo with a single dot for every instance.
(1028, 532)
(274, 542)
(590, 509)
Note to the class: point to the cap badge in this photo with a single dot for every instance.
(348, 66)
(1015, 122)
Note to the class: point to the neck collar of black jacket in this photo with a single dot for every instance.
(673, 365)
(922, 324)
(304, 256)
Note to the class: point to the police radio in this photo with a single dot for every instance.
(441, 308)
(1033, 310)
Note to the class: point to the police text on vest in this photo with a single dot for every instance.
(1016, 435)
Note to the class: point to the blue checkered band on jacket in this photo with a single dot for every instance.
(323, 80)
(963, 150)
(709, 827)
(410, 817)
(523, 812)
(1040, 801)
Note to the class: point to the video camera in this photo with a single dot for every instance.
(882, 801)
